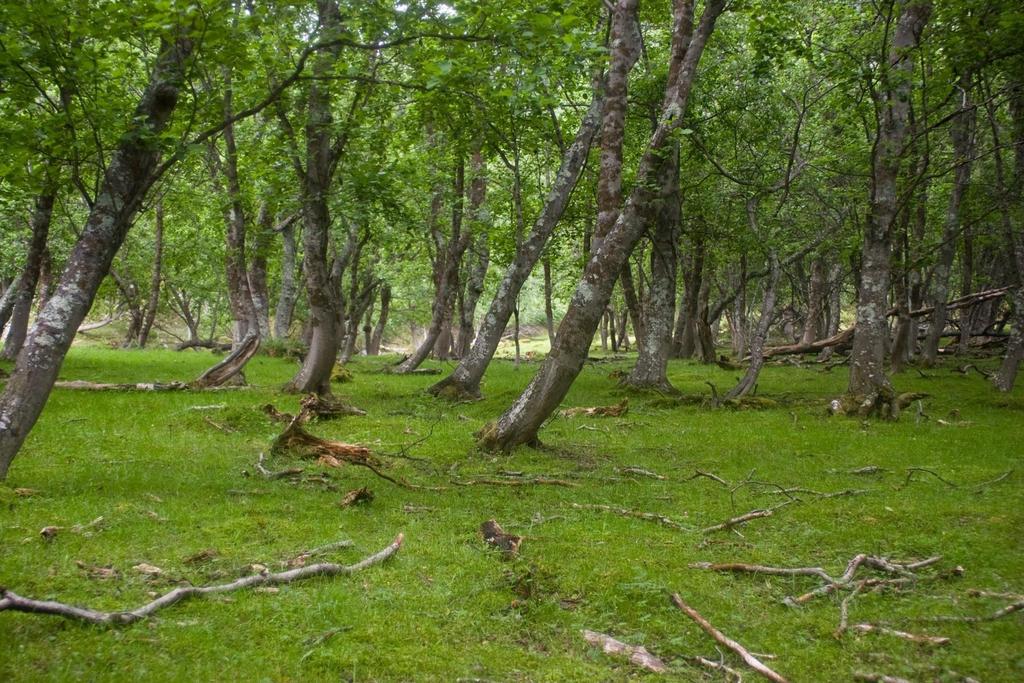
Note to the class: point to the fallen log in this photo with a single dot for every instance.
(11, 601)
(617, 410)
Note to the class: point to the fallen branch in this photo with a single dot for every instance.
(636, 514)
(998, 614)
(14, 602)
(910, 474)
(749, 659)
(141, 386)
(514, 482)
(355, 496)
(711, 476)
(878, 678)
(761, 569)
(637, 654)
(744, 518)
(912, 637)
(639, 471)
(617, 410)
(716, 666)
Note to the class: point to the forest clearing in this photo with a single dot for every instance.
(460, 340)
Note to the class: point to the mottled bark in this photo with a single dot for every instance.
(156, 275)
(703, 320)
(655, 345)
(289, 293)
(523, 419)
(465, 379)
(479, 251)
(685, 338)
(867, 360)
(549, 310)
(815, 295)
(22, 301)
(128, 177)
(7, 302)
(962, 134)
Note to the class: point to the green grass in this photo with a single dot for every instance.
(169, 484)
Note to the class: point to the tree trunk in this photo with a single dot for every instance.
(480, 251)
(549, 311)
(155, 279)
(685, 340)
(655, 345)
(867, 360)
(521, 422)
(962, 134)
(373, 349)
(7, 302)
(705, 336)
(815, 295)
(22, 302)
(447, 262)
(257, 275)
(289, 293)
(321, 161)
(757, 342)
(1012, 194)
(465, 379)
(128, 177)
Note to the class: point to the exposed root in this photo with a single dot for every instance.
(327, 407)
(14, 602)
(231, 366)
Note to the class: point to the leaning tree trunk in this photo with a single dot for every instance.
(22, 302)
(149, 317)
(655, 345)
(289, 293)
(128, 177)
(465, 379)
(868, 381)
(522, 421)
(7, 302)
(962, 135)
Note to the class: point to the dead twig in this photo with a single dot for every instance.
(514, 482)
(282, 474)
(709, 475)
(878, 678)
(639, 471)
(744, 518)
(910, 474)
(912, 637)
(636, 514)
(749, 659)
(14, 602)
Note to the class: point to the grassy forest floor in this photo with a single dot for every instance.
(170, 481)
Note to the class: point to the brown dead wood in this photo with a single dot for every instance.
(636, 514)
(617, 410)
(641, 472)
(356, 496)
(495, 536)
(515, 482)
(748, 658)
(636, 654)
(11, 601)
(744, 518)
(326, 407)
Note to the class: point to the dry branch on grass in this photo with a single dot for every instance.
(268, 474)
(912, 637)
(637, 654)
(515, 482)
(10, 601)
(617, 410)
(636, 514)
(748, 658)
(641, 472)
(744, 518)
(709, 475)
(878, 678)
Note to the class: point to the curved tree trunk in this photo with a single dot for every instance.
(465, 379)
(22, 301)
(867, 360)
(127, 179)
(764, 323)
(523, 419)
